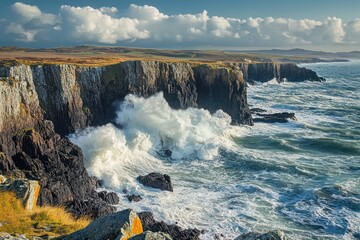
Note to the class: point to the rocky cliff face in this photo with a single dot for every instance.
(37, 103)
(263, 72)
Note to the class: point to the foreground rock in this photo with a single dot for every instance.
(275, 117)
(58, 166)
(26, 190)
(120, 226)
(273, 235)
(157, 180)
(148, 235)
(176, 232)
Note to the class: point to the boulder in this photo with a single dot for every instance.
(148, 235)
(272, 235)
(176, 232)
(120, 226)
(157, 180)
(111, 198)
(26, 190)
(134, 198)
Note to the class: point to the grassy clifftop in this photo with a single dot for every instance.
(41, 221)
(100, 56)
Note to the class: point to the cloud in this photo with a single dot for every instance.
(147, 26)
(89, 24)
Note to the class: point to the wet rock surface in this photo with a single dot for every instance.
(148, 235)
(156, 180)
(176, 232)
(134, 198)
(275, 117)
(109, 197)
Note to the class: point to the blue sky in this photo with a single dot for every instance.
(227, 24)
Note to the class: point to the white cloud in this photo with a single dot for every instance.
(90, 24)
(146, 25)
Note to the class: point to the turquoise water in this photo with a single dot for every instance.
(302, 176)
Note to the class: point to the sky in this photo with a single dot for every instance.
(331, 25)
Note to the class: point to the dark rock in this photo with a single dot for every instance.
(119, 225)
(156, 180)
(92, 207)
(134, 198)
(257, 110)
(223, 88)
(58, 166)
(176, 232)
(275, 117)
(264, 72)
(6, 163)
(273, 235)
(111, 198)
(167, 153)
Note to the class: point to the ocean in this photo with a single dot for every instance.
(302, 177)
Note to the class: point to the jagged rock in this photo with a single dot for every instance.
(6, 163)
(148, 235)
(121, 226)
(273, 235)
(275, 117)
(156, 180)
(176, 232)
(223, 88)
(111, 198)
(134, 198)
(26, 190)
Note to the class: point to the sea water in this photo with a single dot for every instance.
(302, 176)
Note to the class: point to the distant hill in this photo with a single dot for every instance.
(306, 53)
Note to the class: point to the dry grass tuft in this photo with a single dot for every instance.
(42, 221)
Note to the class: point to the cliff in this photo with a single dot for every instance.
(263, 72)
(41, 104)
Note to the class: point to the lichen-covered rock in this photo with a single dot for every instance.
(157, 180)
(120, 226)
(26, 190)
(6, 236)
(273, 235)
(148, 235)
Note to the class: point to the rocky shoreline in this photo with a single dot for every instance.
(40, 105)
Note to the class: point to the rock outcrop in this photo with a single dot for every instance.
(264, 72)
(157, 180)
(26, 190)
(121, 226)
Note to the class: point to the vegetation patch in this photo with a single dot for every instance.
(41, 221)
